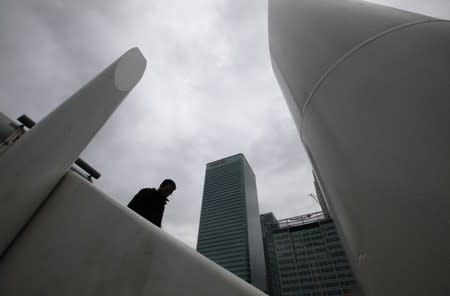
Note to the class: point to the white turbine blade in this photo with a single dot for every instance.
(33, 166)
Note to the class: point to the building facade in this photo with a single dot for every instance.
(305, 257)
(269, 223)
(230, 231)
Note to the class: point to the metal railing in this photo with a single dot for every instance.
(93, 173)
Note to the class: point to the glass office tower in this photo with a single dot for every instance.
(305, 257)
(230, 231)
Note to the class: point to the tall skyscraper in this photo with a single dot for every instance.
(230, 231)
(304, 256)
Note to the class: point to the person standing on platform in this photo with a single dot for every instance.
(150, 202)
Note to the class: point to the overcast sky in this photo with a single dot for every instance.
(208, 92)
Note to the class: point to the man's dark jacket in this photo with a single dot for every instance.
(150, 204)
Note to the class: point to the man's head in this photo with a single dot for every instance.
(167, 187)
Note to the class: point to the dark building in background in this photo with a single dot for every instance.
(268, 224)
(230, 229)
(305, 257)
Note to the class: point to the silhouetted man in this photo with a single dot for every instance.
(150, 203)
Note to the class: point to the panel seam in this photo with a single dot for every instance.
(347, 55)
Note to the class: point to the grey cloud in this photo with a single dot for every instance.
(208, 92)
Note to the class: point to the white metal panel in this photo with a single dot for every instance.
(376, 129)
(307, 37)
(82, 242)
(377, 132)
